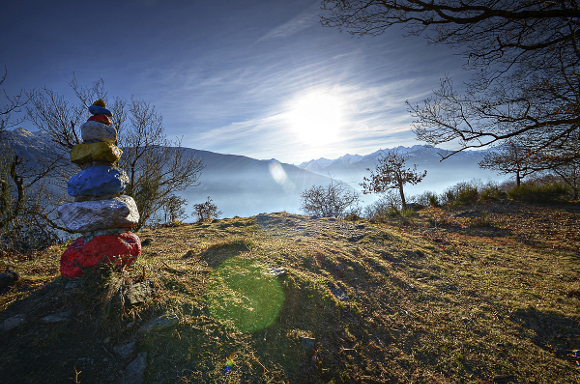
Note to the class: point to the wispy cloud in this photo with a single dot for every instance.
(302, 21)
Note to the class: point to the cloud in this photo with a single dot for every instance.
(300, 22)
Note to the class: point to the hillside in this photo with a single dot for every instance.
(478, 294)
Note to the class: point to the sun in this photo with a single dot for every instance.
(317, 118)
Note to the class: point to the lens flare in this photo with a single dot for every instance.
(280, 177)
(243, 296)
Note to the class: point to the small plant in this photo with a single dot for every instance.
(206, 211)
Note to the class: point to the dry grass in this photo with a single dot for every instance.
(479, 295)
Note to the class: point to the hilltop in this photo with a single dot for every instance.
(477, 294)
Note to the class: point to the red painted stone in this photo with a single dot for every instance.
(101, 119)
(121, 249)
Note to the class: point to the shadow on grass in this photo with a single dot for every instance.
(552, 331)
(219, 253)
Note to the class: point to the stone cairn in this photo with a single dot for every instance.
(101, 213)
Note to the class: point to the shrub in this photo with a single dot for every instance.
(534, 192)
(461, 193)
(206, 211)
(335, 200)
(491, 191)
(427, 198)
(386, 207)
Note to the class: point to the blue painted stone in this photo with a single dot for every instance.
(97, 181)
(98, 110)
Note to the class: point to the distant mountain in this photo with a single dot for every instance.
(440, 174)
(244, 186)
(238, 185)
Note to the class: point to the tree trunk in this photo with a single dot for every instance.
(400, 182)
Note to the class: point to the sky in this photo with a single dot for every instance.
(260, 78)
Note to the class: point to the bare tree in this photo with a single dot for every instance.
(333, 200)
(512, 158)
(525, 58)
(157, 167)
(27, 203)
(174, 209)
(392, 173)
(206, 211)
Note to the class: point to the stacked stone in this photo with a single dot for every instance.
(101, 213)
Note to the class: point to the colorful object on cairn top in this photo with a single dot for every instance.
(121, 249)
(101, 213)
(100, 103)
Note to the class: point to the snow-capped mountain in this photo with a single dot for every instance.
(461, 166)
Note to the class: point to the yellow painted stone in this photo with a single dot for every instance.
(100, 103)
(100, 151)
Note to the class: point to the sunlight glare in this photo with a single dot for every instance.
(317, 118)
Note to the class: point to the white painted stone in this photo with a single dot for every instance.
(88, 216)
(95, 131)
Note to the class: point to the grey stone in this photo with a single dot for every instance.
(276, 271)
(160, 323)
(57, 318)
(12, 322)
(95, 131)
(139, 293)
(243, 248)
(125, 351)
(135, 371)
(339, 293)
(8, 278)
(87, 216)
(307, 343)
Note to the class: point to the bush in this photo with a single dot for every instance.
(206, 211)
(535, 192)
(427, 198)
(335, 200)
(461, 193)
(492, 191)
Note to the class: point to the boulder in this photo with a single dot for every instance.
(100, 151)
(95, 131)
(97, 181)
(88, 216)
(121, 249)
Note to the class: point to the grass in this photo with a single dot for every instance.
(487, 293)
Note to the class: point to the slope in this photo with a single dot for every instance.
(480, 294)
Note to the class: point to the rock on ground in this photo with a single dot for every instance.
(121, 249)
(135, 370)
